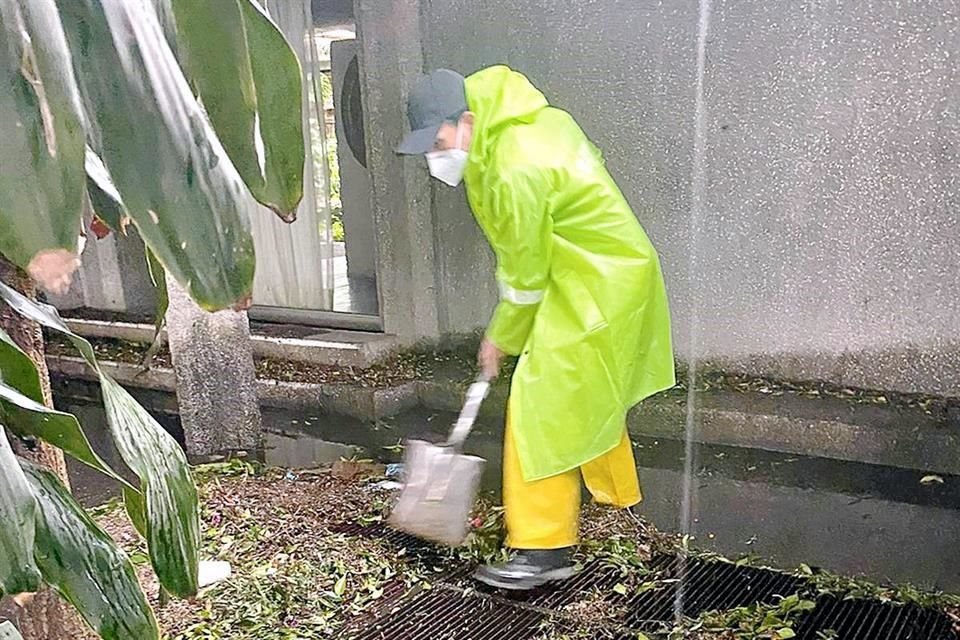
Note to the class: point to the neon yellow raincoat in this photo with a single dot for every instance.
(582, 299)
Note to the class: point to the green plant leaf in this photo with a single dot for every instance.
(85, 566)
(278, 78)
(41, 168)
(785, 633)
(17, 370)
(168, 22)
(136, 507)
(178, 184)
(18, 572)
(44, 315)
(159, 279)
(26, 416)
(805, 605)
(104, 197)
(213, 52)
(251, 84)
(172, 519)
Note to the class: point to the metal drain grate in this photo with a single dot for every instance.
(595, 578)
(707, 586)
(448, 614)
(873, 620)
(458, 610)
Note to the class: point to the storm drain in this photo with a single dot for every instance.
(873, 620)
(459, 609)
(449, 614)
(706, 586)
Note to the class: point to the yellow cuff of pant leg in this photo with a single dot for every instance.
(619, 502)
(547, 543)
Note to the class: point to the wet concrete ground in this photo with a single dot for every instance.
(853, 519)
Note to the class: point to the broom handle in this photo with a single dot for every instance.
(468, 415)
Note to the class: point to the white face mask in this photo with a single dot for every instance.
(448, 165)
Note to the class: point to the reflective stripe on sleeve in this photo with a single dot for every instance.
(520, 296)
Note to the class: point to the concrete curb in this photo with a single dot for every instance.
(903, 442)
(341, 347)
(157, 378)
(924, 448)
(362, 403)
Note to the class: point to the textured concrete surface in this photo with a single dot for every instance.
(216, 381)
(906, 440)
(332, 13)
(827, 244)
(76, 368)
(858, 531)
(823, 427)
(300, 344)
(359, 234)
(344, 348)
(113, 276)
(357, 402)
(391, 56)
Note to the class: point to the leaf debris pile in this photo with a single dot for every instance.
(295, 576)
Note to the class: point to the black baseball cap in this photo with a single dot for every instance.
(435, 98)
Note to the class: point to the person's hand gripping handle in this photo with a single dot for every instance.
(489, 359)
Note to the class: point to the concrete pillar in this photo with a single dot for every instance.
(390, 57)
(216, 380)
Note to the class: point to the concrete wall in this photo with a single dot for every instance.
(354, 178)
(113, 277)
(827, 244)
(390, 57)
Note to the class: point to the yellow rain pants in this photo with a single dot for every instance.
(544, 514)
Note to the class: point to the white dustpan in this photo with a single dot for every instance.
(441, 482)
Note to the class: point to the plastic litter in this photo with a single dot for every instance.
(386, 485)
(213, 571)
(395, 470)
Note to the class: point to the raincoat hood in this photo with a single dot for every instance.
(499, 96)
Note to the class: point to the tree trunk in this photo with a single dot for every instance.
(44, 617)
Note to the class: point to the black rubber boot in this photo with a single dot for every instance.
(528, 569)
